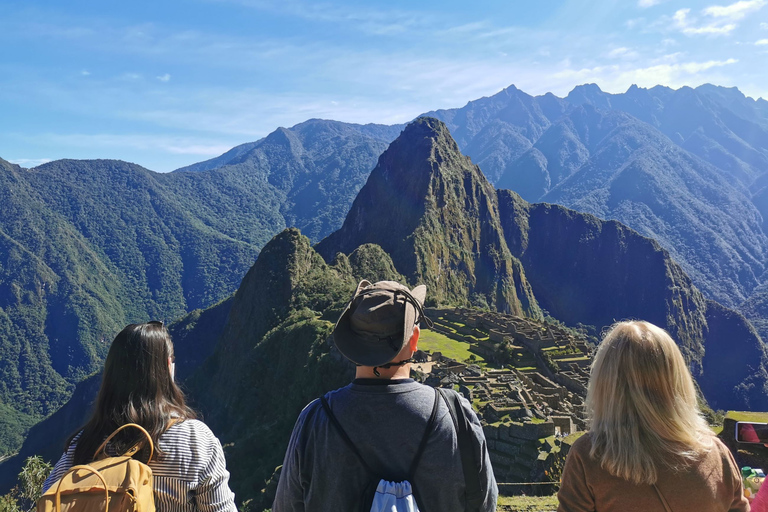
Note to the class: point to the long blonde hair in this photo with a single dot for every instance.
(642, 404)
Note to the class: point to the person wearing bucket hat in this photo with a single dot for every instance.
(377, 424)
(378, 322)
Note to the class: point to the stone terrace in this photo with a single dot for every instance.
(527, 410)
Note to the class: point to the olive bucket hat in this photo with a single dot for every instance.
(378, 322)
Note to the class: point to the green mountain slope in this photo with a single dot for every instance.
(435, 213)
(86, 248)
(718, 124)
(133, 219)
(586, 270)
(89, 246)
(273, 356)
(305, 176)
(637, 176)
(531, 144)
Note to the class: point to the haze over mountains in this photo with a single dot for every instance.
(88, 246)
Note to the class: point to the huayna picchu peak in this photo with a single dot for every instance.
(437, 216)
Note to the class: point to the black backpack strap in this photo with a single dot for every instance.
(344, 435)
(465, 438)
(419, 451)
(424, 438)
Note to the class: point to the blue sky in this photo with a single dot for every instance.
(169, 83)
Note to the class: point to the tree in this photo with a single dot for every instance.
(31, 478)
(8, 503)
(24, 496)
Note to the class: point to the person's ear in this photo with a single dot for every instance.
(413, 342)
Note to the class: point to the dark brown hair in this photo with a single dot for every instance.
(136, 387)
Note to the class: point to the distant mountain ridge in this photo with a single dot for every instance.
(637, 176)
(531, 144)
(579, 268)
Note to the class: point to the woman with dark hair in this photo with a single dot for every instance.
(137, 386)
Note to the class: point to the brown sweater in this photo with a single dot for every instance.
(714, 484)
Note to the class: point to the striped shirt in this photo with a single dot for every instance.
(192, 477)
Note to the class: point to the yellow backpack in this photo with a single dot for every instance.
(108, 484)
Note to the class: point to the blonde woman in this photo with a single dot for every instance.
(648, 448)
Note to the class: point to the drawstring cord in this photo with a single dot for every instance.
(421, 316)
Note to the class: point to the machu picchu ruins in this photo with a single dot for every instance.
(526, 379)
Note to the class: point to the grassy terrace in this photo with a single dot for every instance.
(571, 359)
(436, 342)
(756, 417)
(527, 503)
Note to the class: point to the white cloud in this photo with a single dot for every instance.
(170, 144)
(764, 26)
(696, 67)
(648, 3)
(85, 72)
(669, 42)
(29, 162)
(468, 28)
(622, 53)
(669, 58)
(735, 11)
(164, 78)
(715, 20)
(688, 26)
(761, 42)
(584, 74)
(674, 75)
(365, 19)
(666, 72)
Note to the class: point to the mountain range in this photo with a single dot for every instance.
(687, 167)
(440, 222)
(88, 246)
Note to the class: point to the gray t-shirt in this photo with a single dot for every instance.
(386, 421)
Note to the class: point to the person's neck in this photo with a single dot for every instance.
(393, 373)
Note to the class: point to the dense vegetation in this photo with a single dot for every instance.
(89, 246)
(686, 167)
(23, 497)
(446, 227)
(274, 355)
(436, 215)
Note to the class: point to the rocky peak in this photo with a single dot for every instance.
(589, 93)
(436, 214)
(266, 289)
